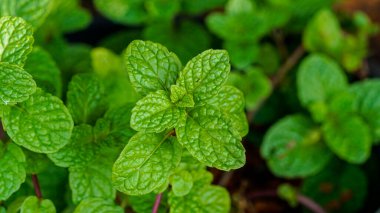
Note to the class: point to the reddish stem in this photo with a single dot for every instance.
(36, 186)
(2, 132)
(157, 203)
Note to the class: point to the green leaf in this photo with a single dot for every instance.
(181, 182)
(179, 96)
(16, 85)
(163, 10)
(209, 137)
(146, 163)
(35, 162)
(348, 137)
(204, 75)
(340, 188)
(323, 34)
(131, 12)
(91, 181)
(85, 98)
(32, 11)
(200, 6)
(293, 148)
(12, 169)
(41, 124)
(144, 203)
(288, 193)
(44, 71)
(367, 102)
(151, 66)
(240, 6)
(318, 79)
(16, 40)
(202, 198)
(32, 205)
(79, 151)
(154, 113)
(242, 53)
(98, 205)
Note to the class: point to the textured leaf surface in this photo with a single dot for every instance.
(32, 205)
(16, 40)
(367, 102)
(79, 151)
(85, 98)
(151, 66)
(348, 137)
(44, 71)
(16, 85)
(210, 138)
(32, 11)
(154, 113)
(339, 188)
(205, 74)
(202, 198)
(318, 79)
(179, 96)
(98, 205)
(12, 169)
(42, 123)
(293, 148)
(181, 182)
(145, 163)
(92, 181)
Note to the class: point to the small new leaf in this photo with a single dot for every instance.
(32, 205)
(98, 205)
(181, 182)
(179, 96)
(42, 123)
(151, 66)
(16, 40)
(16, 85)
(154, 113)
(146, 163)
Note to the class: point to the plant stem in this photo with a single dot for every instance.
(2, 133)
(36, 186)
(157, 203)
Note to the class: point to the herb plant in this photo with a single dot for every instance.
(187, 106)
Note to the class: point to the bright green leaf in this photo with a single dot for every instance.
(181, 182)
(12, 169)
(91, 181)
(210, 138)
(16, 85)
(33, 205)
(79, 151)
(85, 98)
(122, 11)
(348, 137)
(146, 163)
(154, 113)
(293, 148)
(151, 66)
(42, 123)
(16, 40)
(98, 205)
(204, 75)
(32, 11)
(179, 96)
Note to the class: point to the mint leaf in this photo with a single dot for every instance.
(98, 205)
(202, 198)
(242, 53)
(32, 11)
(32, 205)
(35, 162)
(122, 11)
(12, 169)
(348, 137)
(293, 148)
(144, 203)
(91, 181)
(146, 163)
(154, 113)
(179, 96)
(151, 66)
(79, 151)
(205, 74)
(16, 40)
(41, 124)
(85, 98)
(319, 78)
(181, 182)
(44, 71)
(16, 85)
(367, 102)
(210, 138)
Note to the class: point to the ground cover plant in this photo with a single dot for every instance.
(187, 106)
